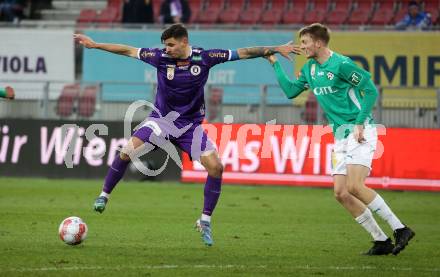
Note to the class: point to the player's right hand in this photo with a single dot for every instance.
(84, 40)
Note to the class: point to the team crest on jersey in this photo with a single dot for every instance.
(330, 76)
(195, 70)
(170, 73)
(355, 78)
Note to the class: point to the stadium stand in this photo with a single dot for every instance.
(252, 14)
(211, 12)
(361, 13)
(67, 101)
(340, 12)
(295, 12)
(433, 7)
(317, 12)
(87, 16)
(87, 101)
(232, 12)
(273, 13)
(384, 13)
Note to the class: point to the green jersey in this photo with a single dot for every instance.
(344, 91)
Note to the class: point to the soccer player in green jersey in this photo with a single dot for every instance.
(7, 93)
(347, 95)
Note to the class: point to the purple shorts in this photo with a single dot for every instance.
(191, 139)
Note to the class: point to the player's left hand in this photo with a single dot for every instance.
(10, 93)
(358, 133)
(288, 48)
(84, 40)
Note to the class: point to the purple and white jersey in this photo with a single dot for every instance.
(180, 82)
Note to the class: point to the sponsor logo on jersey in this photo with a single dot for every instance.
(197, 51)
(217, 54)
(321, 73)
(170, 72)
(196, 58)
(324, 90)
(185, 67)
(147, 54)
(195, 70)
(330, 76)
(182, 63)
(355, 78)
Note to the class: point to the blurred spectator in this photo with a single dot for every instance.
(138, 11)
(415, 18)
(11, 10)
(175, 11)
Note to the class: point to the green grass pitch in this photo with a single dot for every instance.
(147, 230)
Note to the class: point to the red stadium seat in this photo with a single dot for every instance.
(253, 12)
(400, 14)
(87, 101)
(232, 12)
(156, 9)
(310, 115)
(339, 13)
(196, 7)
(318, 12)
(433, 7)
(118, 5)
(295, 15)
(108, 15)
(115, 3)
(67, 100)
(279, 4)
(384, 14)
(272, 16)
(361, 13)
(300, 5)
(211, 13)
(86, 16)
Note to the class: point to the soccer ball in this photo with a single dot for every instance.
(73, 230)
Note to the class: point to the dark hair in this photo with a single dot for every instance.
(413, 3)
(317, 31)
(176, 31)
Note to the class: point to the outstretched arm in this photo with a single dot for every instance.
(119, 49)
(290, 88)
(262, 51)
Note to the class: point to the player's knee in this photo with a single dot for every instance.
(341, 195)
(354, 189)
(216, 170)
(124, 156)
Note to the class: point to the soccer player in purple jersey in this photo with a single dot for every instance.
(182, 72)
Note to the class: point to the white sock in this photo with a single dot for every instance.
(379, 206)
(106, 195)
(205, 217)
(367, 221)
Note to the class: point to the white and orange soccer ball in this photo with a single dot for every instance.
(73, 230)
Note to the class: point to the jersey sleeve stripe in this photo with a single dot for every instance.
(139, 53)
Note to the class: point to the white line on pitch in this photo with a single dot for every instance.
(304, 267)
